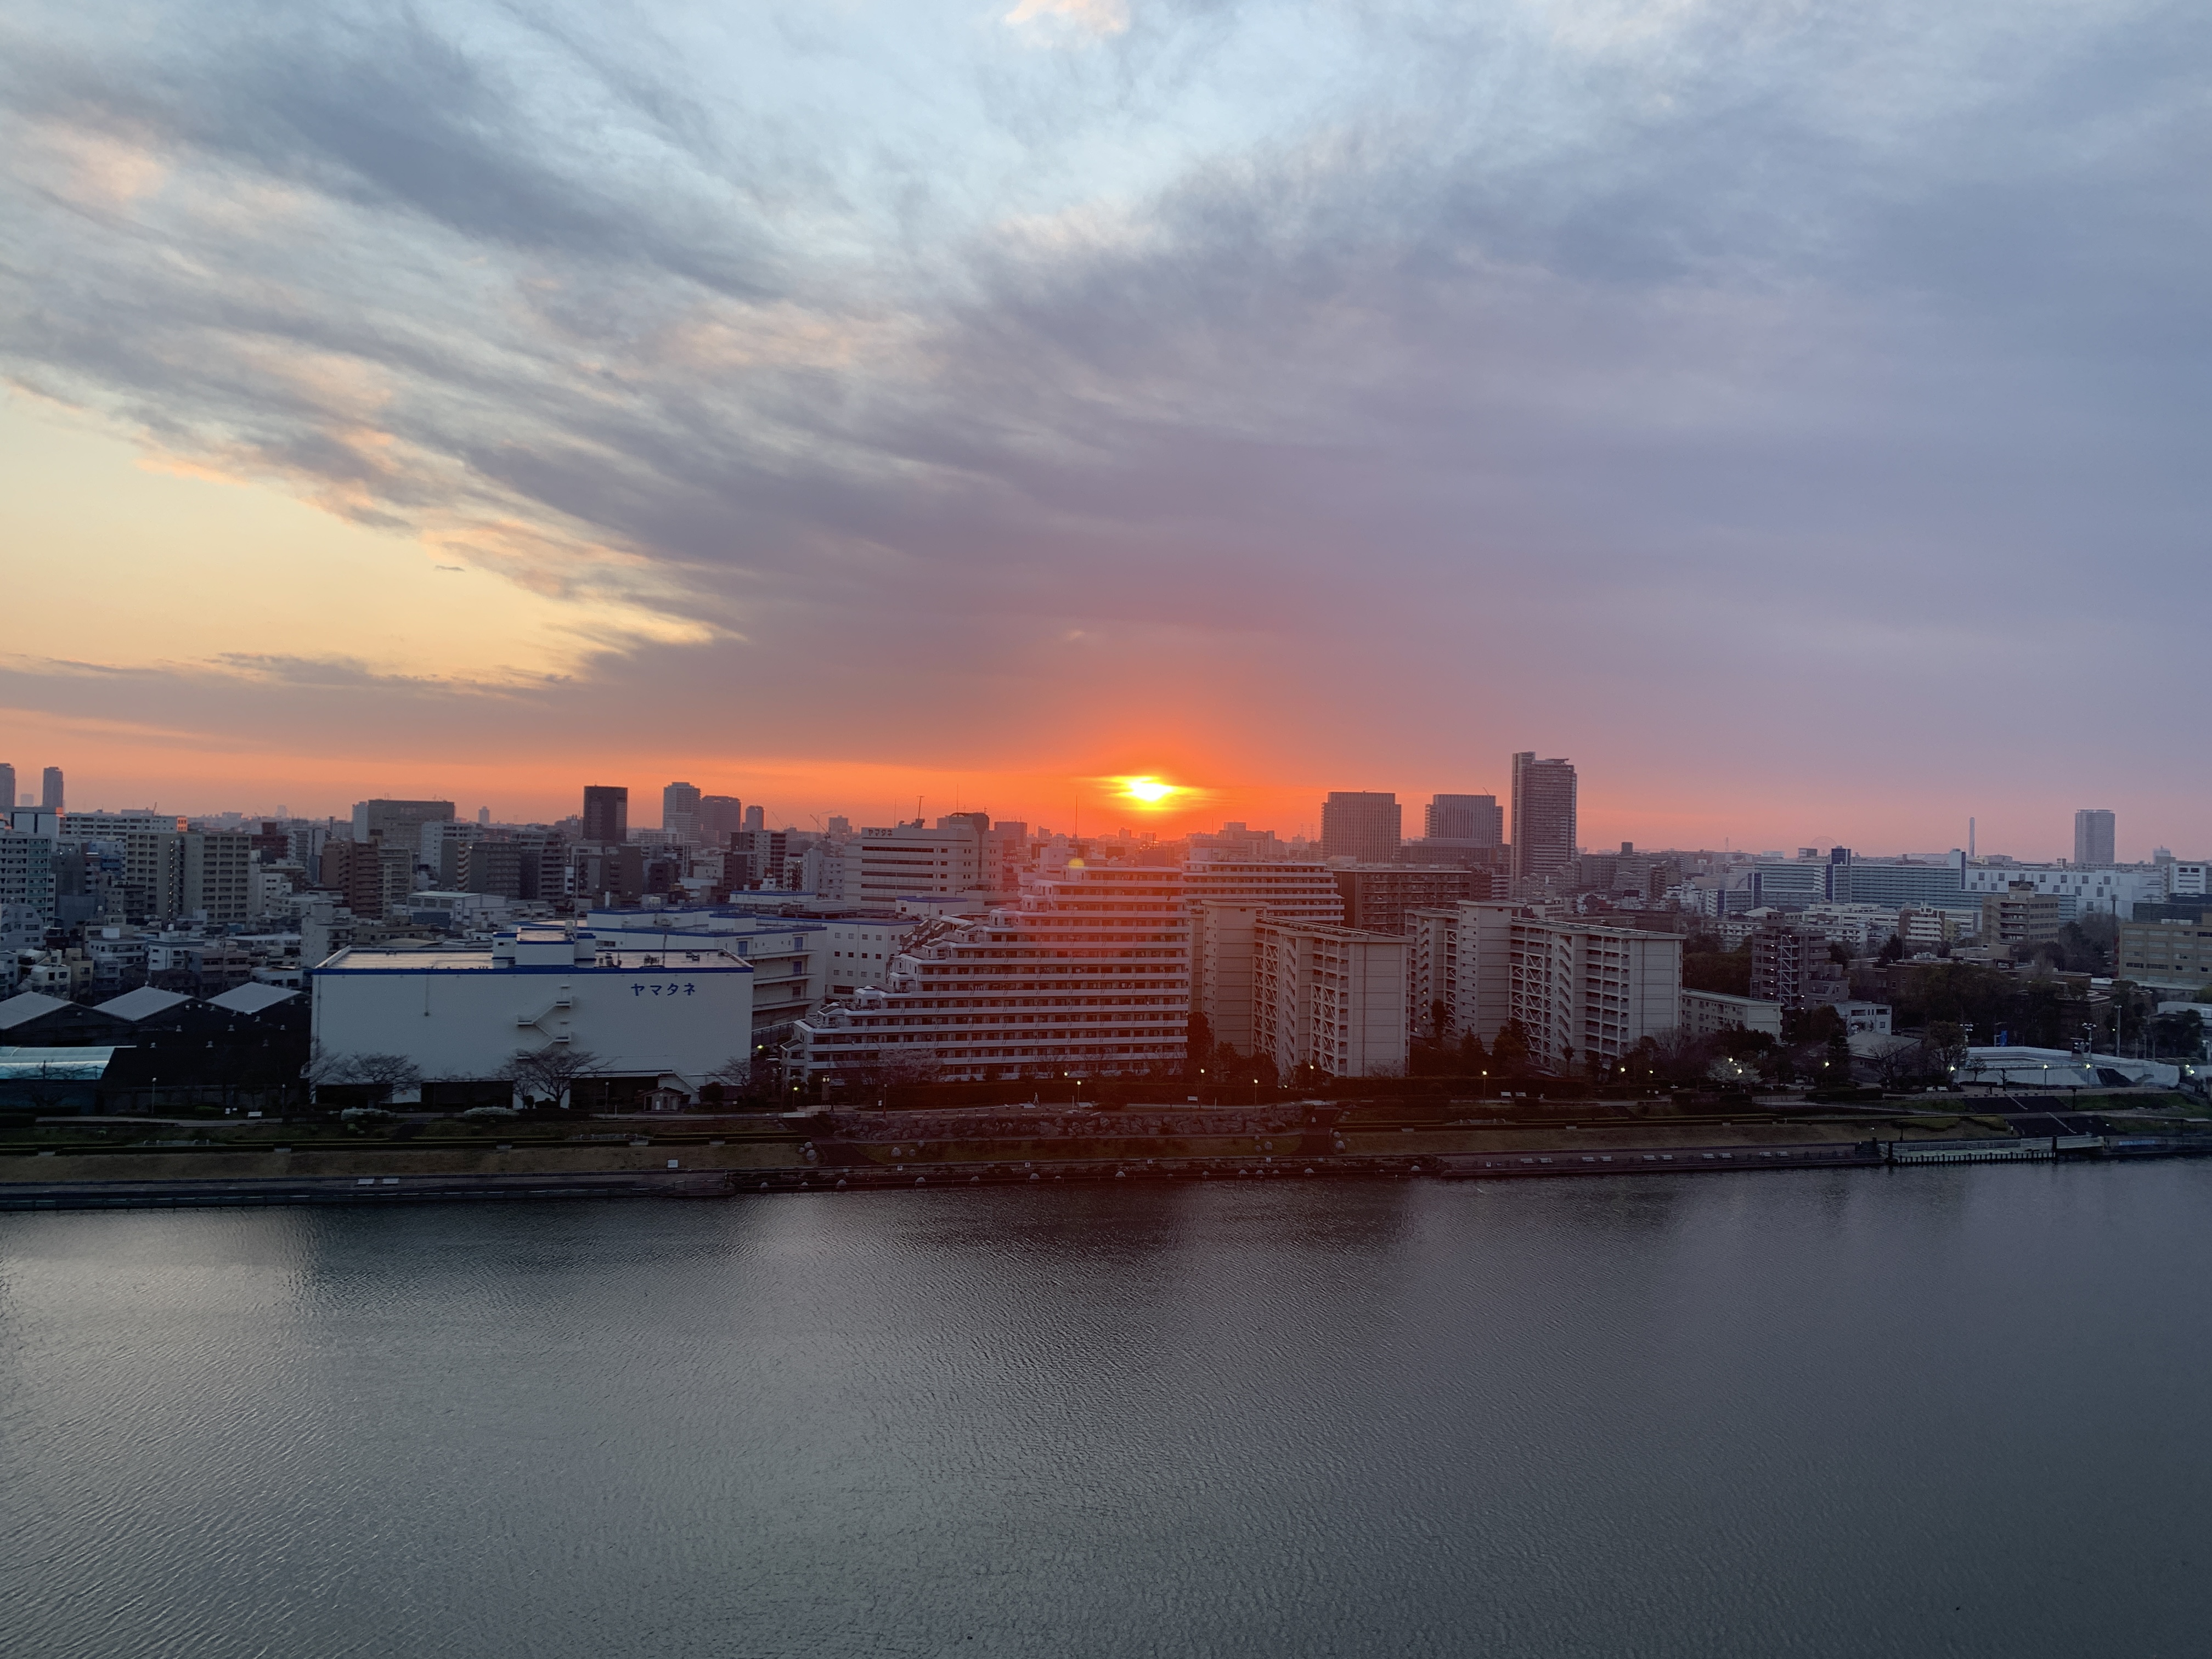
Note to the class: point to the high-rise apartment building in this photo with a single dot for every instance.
(1330, 998)
(1307, 891)
(1226, 895)
(1543, 816)
(606, 814)
(1088, 976)
(215, 876)
(1478, 820)
(1364, 824)
(398, 821)
(2093, 839)
(679, 810)
(50, 797)
(721, 817)
(1583, 994)
(438, 849)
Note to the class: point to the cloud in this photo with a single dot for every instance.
(1095, 17)
(876, 375)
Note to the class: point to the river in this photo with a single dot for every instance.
(1957, 1410)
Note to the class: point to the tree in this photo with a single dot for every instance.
(1725, 971)
(383, 1074)
(1509, 1052)
(1892, 948)
(1198, 1044)
(551, 1073)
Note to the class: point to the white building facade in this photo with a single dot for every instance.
(1328, 997)
(672, 1016)
(1088, 976)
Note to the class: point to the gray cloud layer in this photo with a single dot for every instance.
(1579, 376)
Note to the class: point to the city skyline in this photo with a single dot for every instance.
(1381, 414)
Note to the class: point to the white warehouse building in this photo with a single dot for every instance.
(650, 1017)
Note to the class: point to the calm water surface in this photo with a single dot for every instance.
(1949, 1411)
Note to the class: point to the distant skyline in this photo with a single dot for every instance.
(2041, 832)
(1793, 415)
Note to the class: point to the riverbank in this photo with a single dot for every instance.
(262, 1164)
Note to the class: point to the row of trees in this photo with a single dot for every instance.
(547, 1078)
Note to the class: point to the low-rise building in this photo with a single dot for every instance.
(647, 1019)
(2020, 917)
(2168, 953)
(1712, 1013)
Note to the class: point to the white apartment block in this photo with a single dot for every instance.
(1089, 975)
(215, 877)
(1710, 1013)
(1226, 897)
(1582, 993)
(859, 950)
(1221, 968)
(1329, 997)
(1306, 891)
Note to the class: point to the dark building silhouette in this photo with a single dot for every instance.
(606, 814)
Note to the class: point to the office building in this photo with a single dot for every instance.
(1543, 816)
(1361, 824)
(398, 820)
(1088, 976)
(2081, 892)
(2171, 953)
(1330, 998)
(721, 817)
(2019, 916)
(649, 1017)
(50, 799)
(755, 818)
(606, 814)
(1477, 820)
(1380, 898)
(679, 811)
(906, 860)
(2093, 838)
(7, 802)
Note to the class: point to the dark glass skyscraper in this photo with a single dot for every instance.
(606, 814)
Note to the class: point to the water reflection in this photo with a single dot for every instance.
(1835, 1412)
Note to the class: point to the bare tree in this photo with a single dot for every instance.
(551, 1073)
(384, 1074)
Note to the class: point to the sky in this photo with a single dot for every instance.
(1794, 413)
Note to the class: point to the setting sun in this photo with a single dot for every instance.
(1151, 791)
